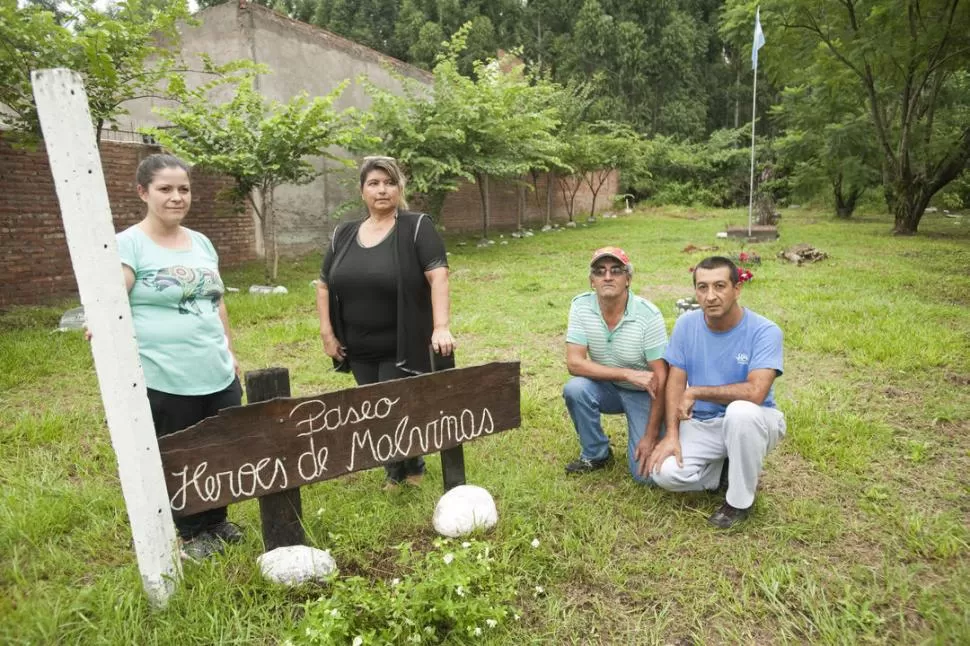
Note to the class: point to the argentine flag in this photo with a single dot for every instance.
(759, 39)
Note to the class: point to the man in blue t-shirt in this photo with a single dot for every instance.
(720, 412)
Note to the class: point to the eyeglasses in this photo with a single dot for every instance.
(615, 270)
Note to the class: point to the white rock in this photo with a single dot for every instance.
(504, 242)
(296, 564)
(547, 227)
(571, 225)
(464, 509)
(279, 289)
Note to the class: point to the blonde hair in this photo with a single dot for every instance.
(389, 166)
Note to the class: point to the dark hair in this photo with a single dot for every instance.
(389, 166)
(714, 262)
(150, 165)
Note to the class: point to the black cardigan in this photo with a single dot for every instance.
(415, 321)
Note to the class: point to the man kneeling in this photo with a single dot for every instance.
(721, 415)
(614, 348)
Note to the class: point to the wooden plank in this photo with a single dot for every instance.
(280, 514)
(282, 444)
(76, 166)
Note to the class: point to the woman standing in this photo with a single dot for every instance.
(172, 276)
(383, 295)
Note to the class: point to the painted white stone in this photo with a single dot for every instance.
(296, 564)
(464, 509)
(75, 163)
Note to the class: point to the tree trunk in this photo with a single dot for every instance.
(550, 182)
(269, 234)
(843, 206)
(520, 210)
(482, 180)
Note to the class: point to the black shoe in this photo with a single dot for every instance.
(722, 483)
(201, 546)
(727, 516)
(227, 532)
(583, 465)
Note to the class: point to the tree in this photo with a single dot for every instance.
(507, 122)
(909, 59)
(122, 55)
(829, 143)
(260, 144)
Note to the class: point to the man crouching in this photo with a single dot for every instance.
(721, 414)
(614, 350)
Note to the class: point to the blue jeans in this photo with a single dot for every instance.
(587, 399)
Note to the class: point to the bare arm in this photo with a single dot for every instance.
(580, 365)
(224, 317)
(330, 343)
(129, 277)
(648, 442)
(753, 390)
(670, 445)
(441, 339)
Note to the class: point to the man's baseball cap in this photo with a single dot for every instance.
(610, 252)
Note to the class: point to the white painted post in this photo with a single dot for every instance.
(76, 166)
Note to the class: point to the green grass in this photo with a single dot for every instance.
(860, 531)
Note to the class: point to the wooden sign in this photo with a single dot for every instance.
(285, 443)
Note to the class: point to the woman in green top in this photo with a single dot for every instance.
(172, 276)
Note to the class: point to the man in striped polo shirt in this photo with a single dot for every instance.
(614, 350)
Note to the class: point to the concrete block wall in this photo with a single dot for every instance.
(35, 265)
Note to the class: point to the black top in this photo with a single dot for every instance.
(415, 247)
(366, 284)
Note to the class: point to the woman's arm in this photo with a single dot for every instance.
(330, 343)
(441, 340)
(224, 317)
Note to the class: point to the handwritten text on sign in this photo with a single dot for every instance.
(282, 444)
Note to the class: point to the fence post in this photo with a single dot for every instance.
(453, 459)
(281, 514)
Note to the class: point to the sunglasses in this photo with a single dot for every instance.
(602, 271)
(378, 158)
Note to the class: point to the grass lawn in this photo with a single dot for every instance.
(860, 531)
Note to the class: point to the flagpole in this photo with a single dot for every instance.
(756, 44)
(754, 95)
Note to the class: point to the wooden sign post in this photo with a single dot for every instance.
(76, 166)
(272, 447)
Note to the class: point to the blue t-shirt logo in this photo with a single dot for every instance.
(742, 359)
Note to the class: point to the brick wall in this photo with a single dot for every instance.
(35, 265)
(462, 210)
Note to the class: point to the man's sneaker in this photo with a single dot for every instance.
(585, 465)
(200, 547)
(728, 516)
(228, 532)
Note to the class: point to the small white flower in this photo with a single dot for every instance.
(448, 558)
(535, 542)
(491, 623)
(460, 591)
(320, 512)
(516, 616)
(478, 631)
(358, 640)
(395, 581)
(334, 612)
(466, 545)
(539, 590)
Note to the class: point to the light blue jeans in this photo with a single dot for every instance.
(588, 399)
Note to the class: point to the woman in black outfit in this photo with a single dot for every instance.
(382, 297)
